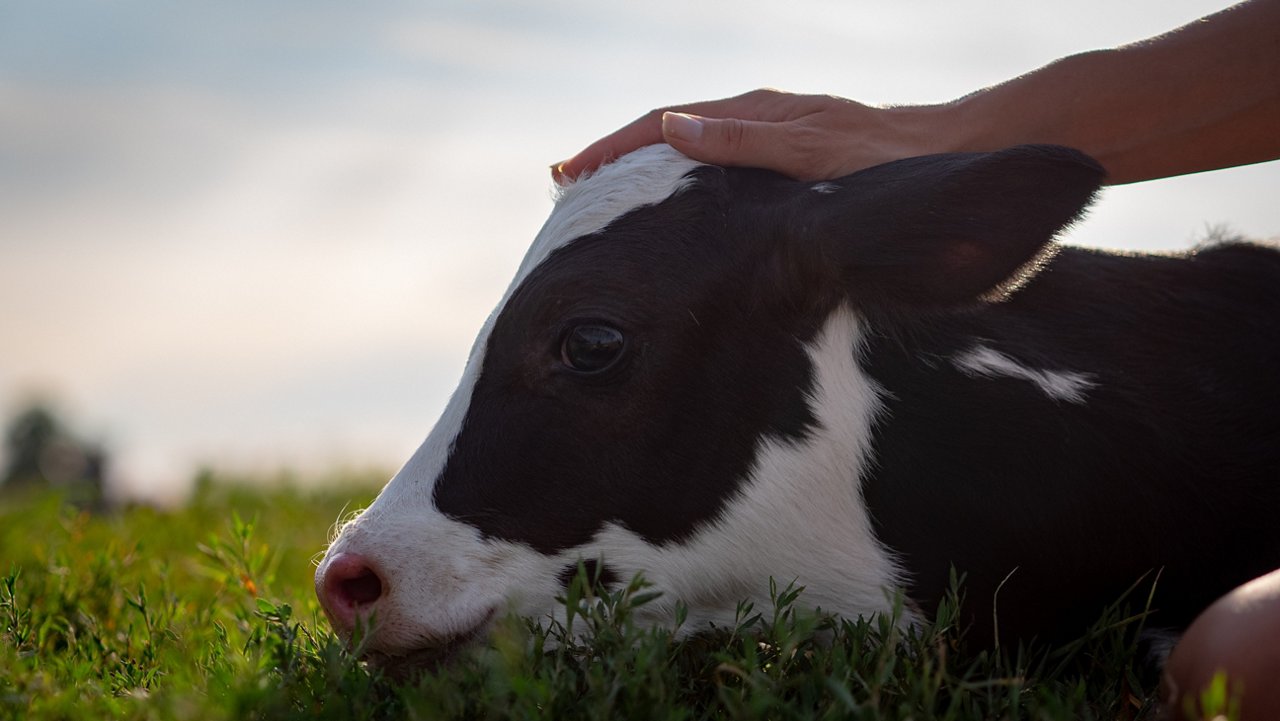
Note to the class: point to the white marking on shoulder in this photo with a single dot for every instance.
(825, 188)
(984, 362)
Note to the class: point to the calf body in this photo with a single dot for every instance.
(1157, 451)
(717, 376)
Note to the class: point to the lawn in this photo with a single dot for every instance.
(207, 612)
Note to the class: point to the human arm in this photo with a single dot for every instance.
(1204, 96)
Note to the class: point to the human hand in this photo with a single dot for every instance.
(807, 137)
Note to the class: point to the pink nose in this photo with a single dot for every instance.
(348, 588)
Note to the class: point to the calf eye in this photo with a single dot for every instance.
(591, 348)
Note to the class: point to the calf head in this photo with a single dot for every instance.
(671, 386)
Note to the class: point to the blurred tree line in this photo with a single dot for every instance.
(42, 454)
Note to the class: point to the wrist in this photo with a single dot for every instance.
(929, 129)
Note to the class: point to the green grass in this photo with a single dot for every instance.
(207, 612)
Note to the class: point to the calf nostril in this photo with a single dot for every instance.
(350, 583)
(362, 589)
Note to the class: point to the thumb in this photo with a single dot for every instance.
(728, 141)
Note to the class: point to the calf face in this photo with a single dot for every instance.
(671, 385)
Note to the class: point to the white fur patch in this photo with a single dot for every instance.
(981, 361)
(825, 188)
(647, 176)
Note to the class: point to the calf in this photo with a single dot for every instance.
(717, 376)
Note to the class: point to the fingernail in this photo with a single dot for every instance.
(557, 171)
(682, 127)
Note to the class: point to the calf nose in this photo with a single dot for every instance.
(348, 587)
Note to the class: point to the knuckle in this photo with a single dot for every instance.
(734, 133)
(810, 153)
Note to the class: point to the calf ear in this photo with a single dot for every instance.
(943, 229)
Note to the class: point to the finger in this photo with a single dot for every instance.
(761, 104)
(646, 130)
(732, 141)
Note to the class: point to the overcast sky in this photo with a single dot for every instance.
(261, 235)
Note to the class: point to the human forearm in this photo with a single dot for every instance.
(1202, 97)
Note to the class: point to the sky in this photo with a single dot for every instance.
(262, 236)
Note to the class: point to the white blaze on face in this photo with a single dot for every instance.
(441, 578)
